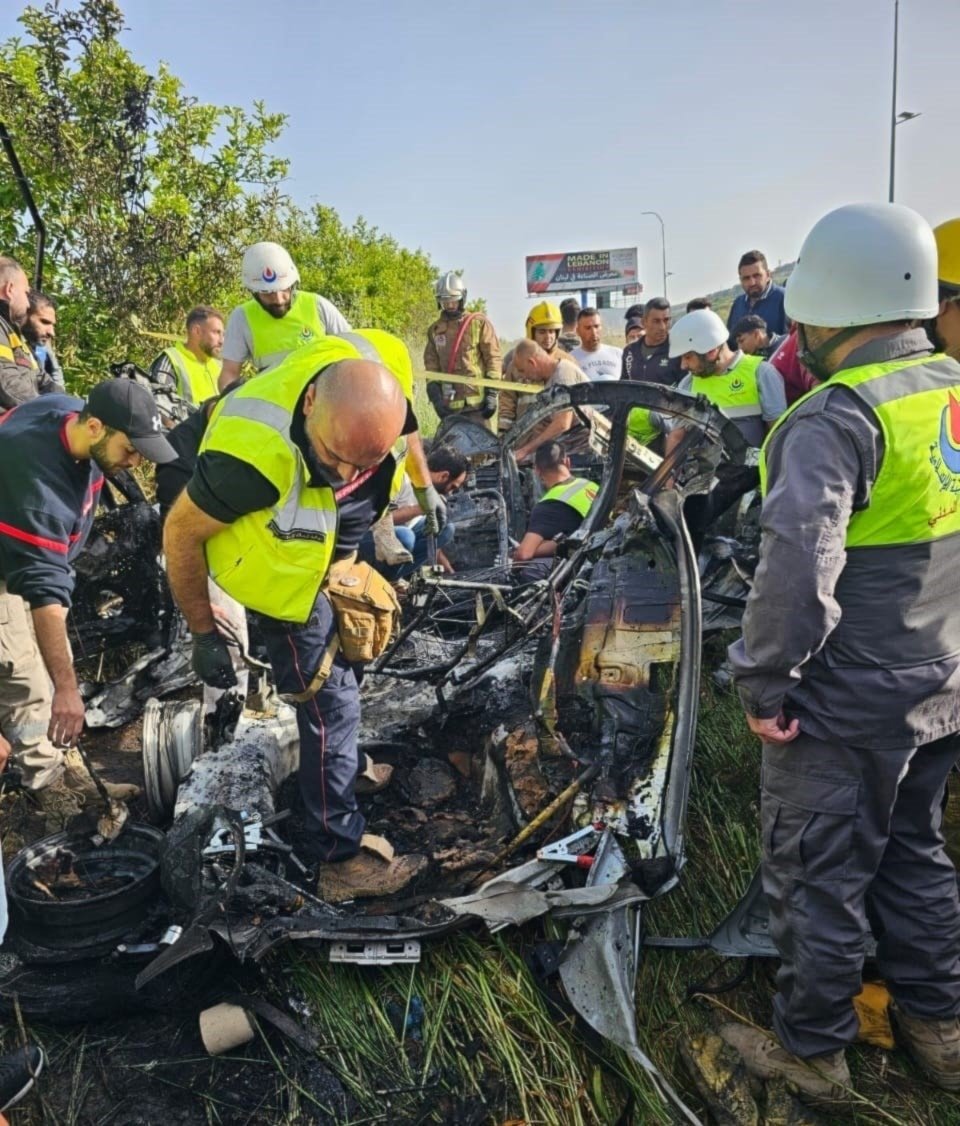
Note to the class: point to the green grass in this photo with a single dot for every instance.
(491, 1049)
(491, 1040)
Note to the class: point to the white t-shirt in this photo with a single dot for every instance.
(600, 366)
(238, 341)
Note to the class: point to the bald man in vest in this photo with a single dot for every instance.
(288, 461)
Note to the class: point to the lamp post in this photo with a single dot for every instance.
(663, 246)
(905, 115)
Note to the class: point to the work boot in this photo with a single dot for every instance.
(823, 1078)
(934, 1044)
(369, 874)
(373, 778)
(387, 547)
(74, 791)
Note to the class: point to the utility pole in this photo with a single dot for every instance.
(896, 118)
(663, 245)
(893, 109)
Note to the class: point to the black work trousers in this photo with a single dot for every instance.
(328, 724)
(852, 840)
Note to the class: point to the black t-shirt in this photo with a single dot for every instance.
(644, 364)
(185, 438)
(227, 487)
(552, 518)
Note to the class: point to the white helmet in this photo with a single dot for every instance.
(267, 268)
(700, 331)
(451, 286)
(864, 264)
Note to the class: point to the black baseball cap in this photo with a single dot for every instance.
(124, 405)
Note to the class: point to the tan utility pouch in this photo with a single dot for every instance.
(367, 610)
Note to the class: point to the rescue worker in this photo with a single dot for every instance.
(945, 330)
(748, 390)
(278, 318)
(849, 664)
(560, 511)
(461, 343)
(54, 452)
(294, 467)
(745, 388)
(40, 330)
(194, 365)
(21, 378)
(543, 327)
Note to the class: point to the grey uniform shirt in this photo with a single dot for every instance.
(822, 463)
(238, 341)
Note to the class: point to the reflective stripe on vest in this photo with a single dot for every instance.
(275, 560)
(578, 493)
(196, 380)
(274, 338)
(735, 392)
(916, 495)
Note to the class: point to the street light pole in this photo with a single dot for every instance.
(663, 243)
(893, 109)
(904, 115)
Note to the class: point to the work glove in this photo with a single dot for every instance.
(490, 399)
(435, 395)
(212, 661)
(434, 508)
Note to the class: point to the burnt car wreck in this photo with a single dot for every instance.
(543, 735)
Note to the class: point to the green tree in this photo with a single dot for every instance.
(146, 193)
(150, 196)
(366, 273)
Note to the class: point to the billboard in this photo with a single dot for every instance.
(583, 269)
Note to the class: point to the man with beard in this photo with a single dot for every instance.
(40, 330)
(20, 376)
(761, 295)
(279, 317)
(54, 452)
(194, 364)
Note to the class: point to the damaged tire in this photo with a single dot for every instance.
(116, 886)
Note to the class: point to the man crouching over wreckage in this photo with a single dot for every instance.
(294, 467)
(54, 452)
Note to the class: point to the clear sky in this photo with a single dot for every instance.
(486, 131)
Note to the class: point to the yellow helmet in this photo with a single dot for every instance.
(948, 254)
(544, 315)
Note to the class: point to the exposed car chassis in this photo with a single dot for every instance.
(613, 643)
